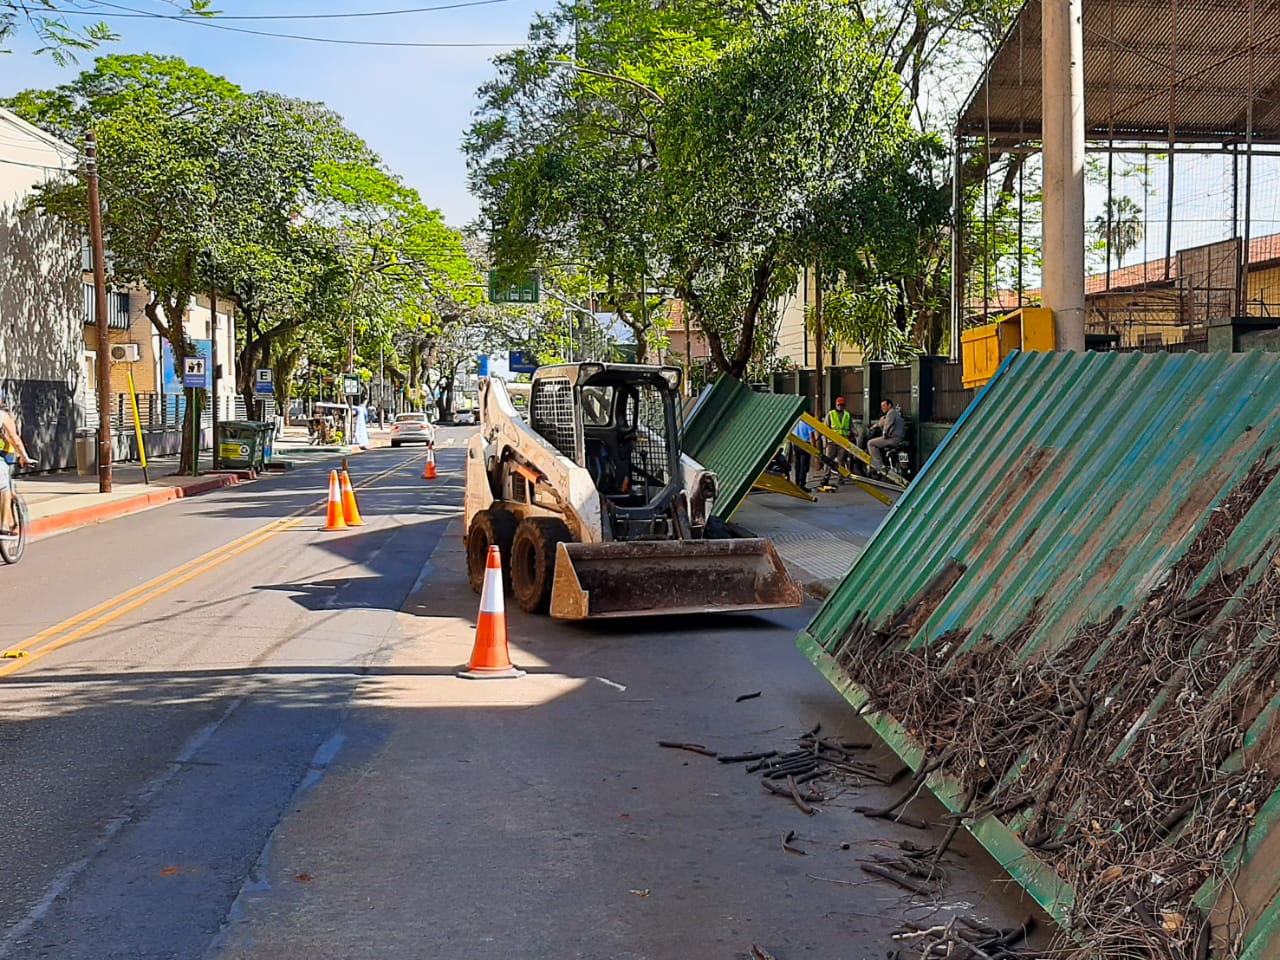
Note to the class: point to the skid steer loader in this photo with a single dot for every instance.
(595, 509)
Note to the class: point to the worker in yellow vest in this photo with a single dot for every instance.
(839, 420)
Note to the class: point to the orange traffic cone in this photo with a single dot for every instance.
(490, 659)
(429, 471)
(350, 512)
(334, 520)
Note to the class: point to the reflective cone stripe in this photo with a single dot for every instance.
(350, 512)
(490, 658)
(429, 471)
(334, 519)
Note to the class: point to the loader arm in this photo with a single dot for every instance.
(548, 484)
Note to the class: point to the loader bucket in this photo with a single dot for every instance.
(651, 577)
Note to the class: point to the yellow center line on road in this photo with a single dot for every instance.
(82, 624)
(69, 631)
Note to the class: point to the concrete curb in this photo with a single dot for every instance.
(83, 516)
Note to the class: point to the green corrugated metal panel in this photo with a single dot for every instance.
(1051, 518)
(735, 432)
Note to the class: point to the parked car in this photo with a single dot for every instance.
(467, 417)
(412, 428)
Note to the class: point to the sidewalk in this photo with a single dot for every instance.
(817, 541)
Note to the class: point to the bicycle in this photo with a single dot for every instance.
(13, 544)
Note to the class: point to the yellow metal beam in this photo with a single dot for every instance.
(867, 488)
(853, 448)
(772, 483)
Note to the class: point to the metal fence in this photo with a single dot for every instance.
(895, 383)
(850, 380)
(1190, 345)
(950, 396)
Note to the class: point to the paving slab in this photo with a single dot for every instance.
(817, 541)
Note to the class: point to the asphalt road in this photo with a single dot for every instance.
(236, 735)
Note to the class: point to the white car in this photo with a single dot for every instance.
(467, 417)
(412, 428)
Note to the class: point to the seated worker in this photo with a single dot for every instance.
(892, 429)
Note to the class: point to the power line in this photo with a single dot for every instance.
(135, 13)
(214, 25)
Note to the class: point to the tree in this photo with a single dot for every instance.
(716, 156)
(200, 181)
(57, 36)
(791, 147)
(1119, 229)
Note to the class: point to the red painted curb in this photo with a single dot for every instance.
(83, 516)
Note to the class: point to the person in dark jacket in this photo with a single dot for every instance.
(892, 429)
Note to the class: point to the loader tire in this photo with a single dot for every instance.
(533, 561)
(489, 527)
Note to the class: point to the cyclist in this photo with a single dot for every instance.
(12, 451)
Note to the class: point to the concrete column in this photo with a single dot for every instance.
(1063, 107)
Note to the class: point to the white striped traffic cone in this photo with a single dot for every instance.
(489, 658)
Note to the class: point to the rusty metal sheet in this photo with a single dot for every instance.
(1131, 50)
(662, 577)
(1074, 611)
(735, 431)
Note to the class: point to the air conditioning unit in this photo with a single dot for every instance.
(126, 353)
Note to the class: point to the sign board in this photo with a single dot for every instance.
(263, 382)
(521, 363)
(173, 377)
(351, 384)
(1208, 278)
(194, 373)
(513, 288)
(482, 365)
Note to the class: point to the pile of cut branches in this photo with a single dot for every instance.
(1127, 757)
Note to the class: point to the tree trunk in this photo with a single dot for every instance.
(761, 280)
(174, 331)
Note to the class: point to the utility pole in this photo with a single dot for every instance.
(819, 345)
(213, 374)
(1062, 101)
(99, 315)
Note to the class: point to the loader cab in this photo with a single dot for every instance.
(620, 423)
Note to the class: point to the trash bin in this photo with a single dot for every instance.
(268, 431)
(86, 453)
(239, 444)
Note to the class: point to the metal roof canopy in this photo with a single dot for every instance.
(1183, 71)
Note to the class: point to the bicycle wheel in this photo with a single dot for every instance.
(11, 550)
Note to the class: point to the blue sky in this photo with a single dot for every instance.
(411, 104)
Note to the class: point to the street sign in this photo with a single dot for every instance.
(194, 373)
(519, 362)
(263, 381)
(173, 385)
(351, 384)
(482, 365)
(518, 288)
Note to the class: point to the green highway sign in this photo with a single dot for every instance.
(506, 288)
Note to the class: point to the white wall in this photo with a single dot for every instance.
(41, 336)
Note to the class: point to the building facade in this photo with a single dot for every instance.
(41, 303)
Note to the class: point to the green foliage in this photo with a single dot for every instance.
(268, 200)
(57, 36)
(1117, 230)
(867, 316)
(711, 145)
